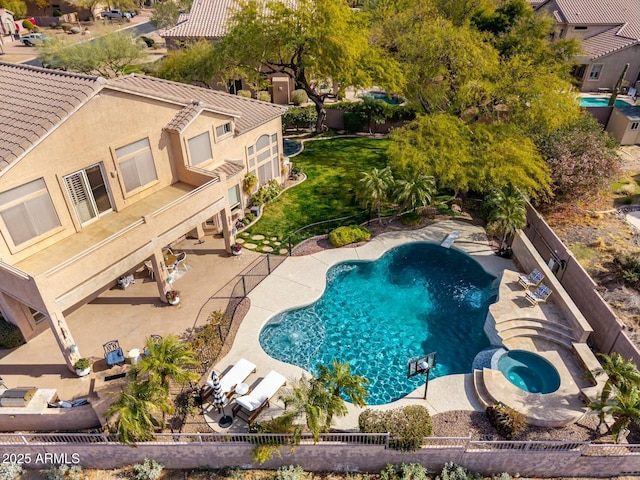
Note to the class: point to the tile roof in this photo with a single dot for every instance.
(605, 43)
(248, 113)
(184, 117)
(33, 102)
(229, 168)
(207, 19)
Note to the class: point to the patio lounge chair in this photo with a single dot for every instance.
(113, 354)
(249, 406)
(531, 280)
(237, 374)
(541, 295)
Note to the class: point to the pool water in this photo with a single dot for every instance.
(391, 100)
(601, 102)
(529, 371)
(416, 299)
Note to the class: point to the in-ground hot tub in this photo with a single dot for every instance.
(529, 371)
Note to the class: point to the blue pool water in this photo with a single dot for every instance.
(600, 102)
(416, 299)
(529, 371)
(391, 100)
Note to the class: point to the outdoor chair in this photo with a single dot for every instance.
(237, 374)
(249, 406)
(531, 280)
(155, 339)
(113, 354)
(540, 295)
(174, 260)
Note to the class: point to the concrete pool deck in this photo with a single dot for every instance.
(300, 281)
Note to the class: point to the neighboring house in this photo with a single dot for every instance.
(97, 176)
(610, 34)
(7, 22)
(624, 125)
(207, 19)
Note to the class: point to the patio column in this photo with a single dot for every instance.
(65, 340)
(160, 269)
(229, 238)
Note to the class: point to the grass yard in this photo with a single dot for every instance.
(333, 168)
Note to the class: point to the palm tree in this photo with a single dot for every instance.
(308, 397)
(623, 377)
(414, 193)
(374, 188)
(623, 406)
(507, 213)
(341, 382)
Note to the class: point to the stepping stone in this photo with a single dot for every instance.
(266, 248)
(250, 246)
(245, 234)
(257, 237)
(239, 241)
(277, 243)
(283, 251)
(273, 239)
(266, 242)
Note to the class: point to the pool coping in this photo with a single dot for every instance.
(299, 281)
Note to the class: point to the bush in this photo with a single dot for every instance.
(629, 267)
(248, 218)
(82, 364)
(299, 117)
(10, 335)
(298, 97)
(291, 473)
(354, 121)
(57, 13)
(507, 421)
(266, 193)
(411, 218)
(451, 471)
(407, 426)
(150, 42)
(9, 471)
(75, 29)
(66, 27)
(296, 173)
(406, 471)
(28, 25)
(244, 93)
(342, 236)
(64, 472)
(263, 96)
(148, 470)
(249, 182)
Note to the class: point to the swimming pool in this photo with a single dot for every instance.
(391, 100)
(601, 102)
(416, 299)
(529, 371)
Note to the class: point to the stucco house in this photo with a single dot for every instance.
(97, 176)
(7, 23)
(610, 34)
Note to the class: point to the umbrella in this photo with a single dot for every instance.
(220, 400)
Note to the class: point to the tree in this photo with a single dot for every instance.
(165, 14)
(313, 42)
(622, 406)
(18, 7)
(339, 381)
(507, 213)
(108, 55)
(374, 188)
(308, 397)
(622, 374)
(414, 193)
(192, 65)
(166, 361)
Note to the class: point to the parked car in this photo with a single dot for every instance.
(115, 13)
(34, 39)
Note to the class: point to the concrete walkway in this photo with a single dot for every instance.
(300, 281)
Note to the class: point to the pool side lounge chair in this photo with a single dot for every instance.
(249, 406)
(541, 295)
(531, 280)
(237, 374)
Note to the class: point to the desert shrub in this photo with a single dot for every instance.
(28, 25)
(507, 421)
(150, 42)
(248, 218)
(298, 97)
(75, 29)
(451, 471)
(627, 200)
(342, 236)
(411, 218)
(248, 183)
(266, 193)
(9, 471)
(296, 173)
(57, 13)
(263, 96)
(406, 471)
(66, 27)
(299, 117)
(291, 473)
(54, 25)
(502, 476)
(629, 266)
(64, 472)
(407, 426)
(354, 121)
(148, 470)
(10, 335)
(244, 93)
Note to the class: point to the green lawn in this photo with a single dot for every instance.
(333, 168)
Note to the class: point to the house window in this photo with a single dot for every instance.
(88, 192)
(265, 157)
(136, 164)
(594, 73)
(37, 316)
(234, 197)
(200, 149)
(634, 125)
(224, 129)
(28, 212)
(580, 27)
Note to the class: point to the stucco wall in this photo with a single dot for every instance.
(620, 127)
(613, 65)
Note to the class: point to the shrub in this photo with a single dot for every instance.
(64, 472)
(507, 421)
(342, 236)
(354, 121)
(148, 470)
(9, 471)
(629, 267)
(28, 25)
(54, 25)
(299, 117)
(248, 218)
(451, 471)
(10, 335)
(411, 218)
(57, 13)
(249, 182)
(66, 27)
(296, 173)
(82, 364)
(263, 96)
(291, 473)
(627, 200)
(150, 42)
(407, 426)
(298, 97)
(406, 471)
(75, 29)
(266, 193)
(244, 93)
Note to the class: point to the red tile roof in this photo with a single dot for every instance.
(207, 19)
(33, 102)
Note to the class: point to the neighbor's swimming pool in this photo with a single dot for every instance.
(416, 299)
(601, 102)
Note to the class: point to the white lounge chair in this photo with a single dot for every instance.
(531, 280)
(237, 374)
(541, 295)
(249, 406)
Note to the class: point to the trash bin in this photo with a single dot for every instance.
(134, 356)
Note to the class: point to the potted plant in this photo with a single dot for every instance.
(236, 249)
(83, 367)
(173, 297)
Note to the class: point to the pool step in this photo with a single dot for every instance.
(513, 334)
(537, 323)
(482, 394)
(528, 328)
